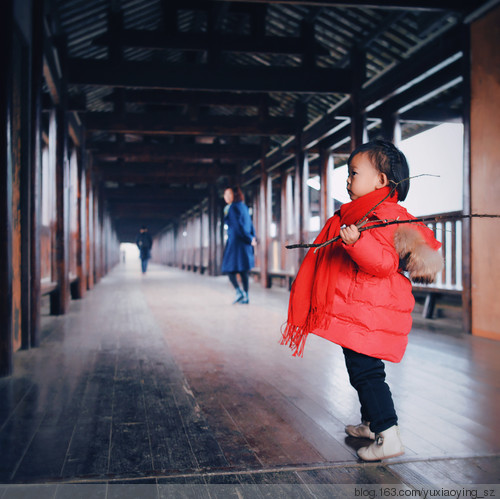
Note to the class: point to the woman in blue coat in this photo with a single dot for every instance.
(238, 254)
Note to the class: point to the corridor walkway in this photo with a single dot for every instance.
(158, 379)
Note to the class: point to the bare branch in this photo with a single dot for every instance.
(435, 218)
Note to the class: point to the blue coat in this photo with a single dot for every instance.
(144, 243)
(238, 254)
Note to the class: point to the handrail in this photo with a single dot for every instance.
(448, 231)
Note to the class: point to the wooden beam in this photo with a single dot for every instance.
(153, 192)
(430, 5)
(167, 170)
(51, 67)
(75, 129)
(179, 152)
(156, 178)
(76, 103)
(331, 130)
(213, 42)
(148, 212)
(327, 125)
(124, 207)
(159, 123)
(431, 113)
(184, 97)
(127, 229)
(202, 77)
(340, 137)
(421, 65)
(448, 75)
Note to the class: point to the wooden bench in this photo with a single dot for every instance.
(432, 294)
(48, 287)
(51, 289)
(284, 275)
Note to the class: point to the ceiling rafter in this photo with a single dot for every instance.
(177, 93)
(160, 124)
(203, 77)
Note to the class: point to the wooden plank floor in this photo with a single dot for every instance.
(158, 380)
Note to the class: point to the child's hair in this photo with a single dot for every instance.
(388, 159)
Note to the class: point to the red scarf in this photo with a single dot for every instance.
(314, 287)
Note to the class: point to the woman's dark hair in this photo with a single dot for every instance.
(388, 159)
(237, 193)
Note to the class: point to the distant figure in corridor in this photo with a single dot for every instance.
(238, 255)
(144, 243)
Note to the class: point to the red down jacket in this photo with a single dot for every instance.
(373, 299)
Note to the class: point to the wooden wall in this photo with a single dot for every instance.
(485, 174)
(56, 238)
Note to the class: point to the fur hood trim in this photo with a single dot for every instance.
(417, 258)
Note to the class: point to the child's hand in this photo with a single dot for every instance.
(349, 235)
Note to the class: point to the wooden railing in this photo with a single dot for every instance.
(448, 231)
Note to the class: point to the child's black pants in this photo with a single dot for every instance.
(367, 376)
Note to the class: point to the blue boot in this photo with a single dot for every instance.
(239, 296)
(245, 298)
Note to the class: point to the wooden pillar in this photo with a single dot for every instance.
(17, 130)
(358, 118)
(391, 128)
(6, 34)
(264, 217)
(102, 235)
(301, 203)
(36, 169)
(220, 233)
(212, 229)
(283, 231)
(95, 240)
(484, 177)
(60, 300)
(325, 175)
(81, 261)
(466, 200)
(22, 90)
(98, 235)
(89, 215)
(202, 224)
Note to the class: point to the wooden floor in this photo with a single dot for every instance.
(158, 380)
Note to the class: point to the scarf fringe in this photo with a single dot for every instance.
(295, 336)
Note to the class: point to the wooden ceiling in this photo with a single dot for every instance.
(175, 96)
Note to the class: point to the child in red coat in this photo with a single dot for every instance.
(354, 292)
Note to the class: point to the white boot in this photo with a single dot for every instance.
(387, 444)
(360, 431)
